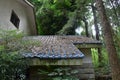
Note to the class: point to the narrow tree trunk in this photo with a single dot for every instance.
(107, 30)
(95, 22)
(86, 26)
(97, 31)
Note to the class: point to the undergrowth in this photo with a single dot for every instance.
(102, 68)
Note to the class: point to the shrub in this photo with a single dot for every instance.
(58, 73)
(12, 64)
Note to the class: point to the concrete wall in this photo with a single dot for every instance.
(23, 11)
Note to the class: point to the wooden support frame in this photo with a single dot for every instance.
(88, 45)
(64, 62)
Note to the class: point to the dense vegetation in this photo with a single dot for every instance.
(13, 65)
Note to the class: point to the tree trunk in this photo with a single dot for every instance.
(97, 30)
(107, 30)
(86, 26)
(95, 22)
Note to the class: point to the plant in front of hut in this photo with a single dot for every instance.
(59, 73)
(12, 65)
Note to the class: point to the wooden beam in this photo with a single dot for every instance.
(38, 62)
(84, 45)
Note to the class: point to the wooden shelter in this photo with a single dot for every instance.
(72, 51)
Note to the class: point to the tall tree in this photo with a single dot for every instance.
(96, 29)
(107, 30)
(83, 14)
(86, 26)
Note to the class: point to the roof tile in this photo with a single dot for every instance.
(57, 47)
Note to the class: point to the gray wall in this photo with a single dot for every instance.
(23, 11)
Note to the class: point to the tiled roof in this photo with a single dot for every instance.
(57, 47)
(79, 39)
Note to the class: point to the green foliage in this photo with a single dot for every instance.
(95, 57)
(15, 41)
(12, 64)
(12, 67)
(59, 73)
(117, 41)
(102, 68)
(8, 38)
(70, 26)
(52, 15)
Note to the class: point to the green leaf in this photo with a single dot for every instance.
(55, 1)
(67, 2)
(1, 48)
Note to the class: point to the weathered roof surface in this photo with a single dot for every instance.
(58, 47)
(79, 39)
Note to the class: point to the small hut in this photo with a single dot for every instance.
(72, 51)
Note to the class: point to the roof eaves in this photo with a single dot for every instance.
(78, 43)
(54, 56)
